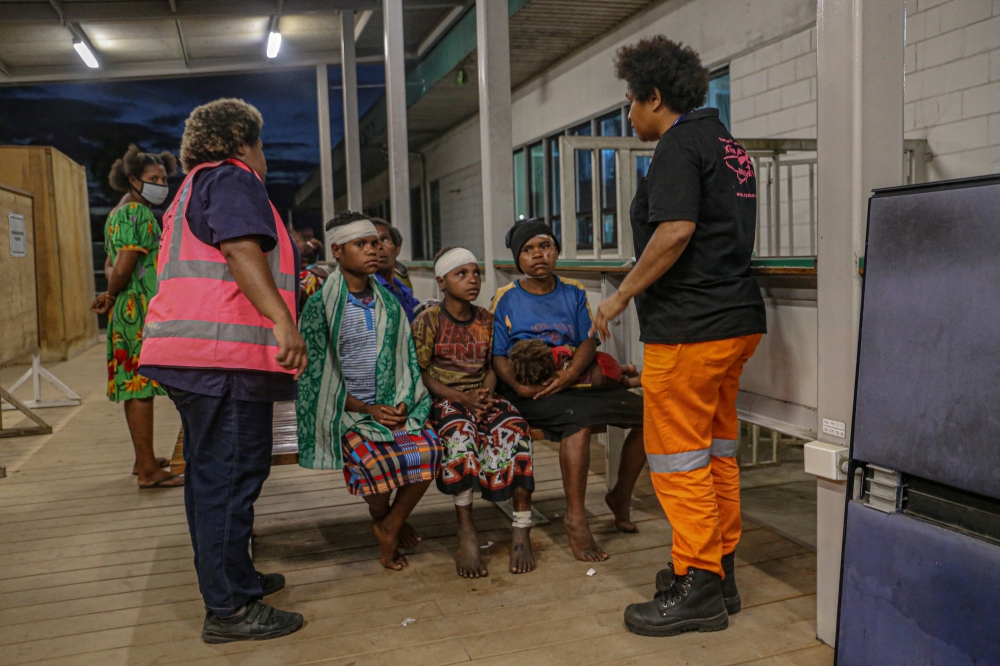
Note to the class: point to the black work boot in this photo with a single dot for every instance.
(730, 593)
(692, 603)
(271, 583)
(258, 622)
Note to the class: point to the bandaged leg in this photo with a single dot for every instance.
(522, 519)
(464, 498)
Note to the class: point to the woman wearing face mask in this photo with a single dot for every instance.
(132, 237)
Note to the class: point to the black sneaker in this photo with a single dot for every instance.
(730, 593)
(692, 603)
(271, 583)
(259, 622)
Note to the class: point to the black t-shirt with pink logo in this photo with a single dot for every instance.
(700, 173)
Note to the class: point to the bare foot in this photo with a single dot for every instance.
(522, 560)
(582, 543)
(408, 537)
(621, 508)
(162, 463)
(161, 478)
(468, 561)
(389, 543)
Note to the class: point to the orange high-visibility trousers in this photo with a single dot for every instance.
(691, 433)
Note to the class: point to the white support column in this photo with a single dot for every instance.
(860, 147)
(495, 137)
(395, 97)
(325, 147)
(352, 137)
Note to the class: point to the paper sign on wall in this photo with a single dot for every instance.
(18, 239)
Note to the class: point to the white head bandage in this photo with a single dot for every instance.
(452, 259)
(348, 232)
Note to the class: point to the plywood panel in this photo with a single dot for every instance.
(63, 257)
(19, 323)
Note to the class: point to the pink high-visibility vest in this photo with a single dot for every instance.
(199, 318)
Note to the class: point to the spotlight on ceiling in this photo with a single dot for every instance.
(86, 54)
(273, 44)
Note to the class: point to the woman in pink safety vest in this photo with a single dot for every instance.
(221, 338)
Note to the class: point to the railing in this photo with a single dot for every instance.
(787, 223)
(787, 211)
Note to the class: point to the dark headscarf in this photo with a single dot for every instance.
(525, 230)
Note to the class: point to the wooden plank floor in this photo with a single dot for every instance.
(93, 571)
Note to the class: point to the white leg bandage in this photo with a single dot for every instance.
(464, 498)
(522, 519)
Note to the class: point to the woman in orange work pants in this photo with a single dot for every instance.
(701, 316)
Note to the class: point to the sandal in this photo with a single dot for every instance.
(165, 482)
(162, 462)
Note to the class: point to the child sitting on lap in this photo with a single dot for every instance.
(487, 443)
(370, 423)
(533, 362)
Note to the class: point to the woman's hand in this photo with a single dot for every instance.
(103, 303)
(291, 347)
(480, 401)
(527, 392)
(610, 307)
(389, 416)
(560, 381)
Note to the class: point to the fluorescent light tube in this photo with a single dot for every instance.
(273, 44)
(85, 54)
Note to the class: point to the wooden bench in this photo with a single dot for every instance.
(286, 445)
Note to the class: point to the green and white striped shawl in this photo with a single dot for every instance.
(322, 420)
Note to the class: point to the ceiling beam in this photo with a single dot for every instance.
(180, 38)
(438, 30)
(361, 23)
(85, 11)
(175, 68)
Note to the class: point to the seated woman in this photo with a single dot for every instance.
(544, 306)
(487, 443)
(362, 407)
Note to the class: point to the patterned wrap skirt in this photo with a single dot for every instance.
(372, 468)
(492, 453)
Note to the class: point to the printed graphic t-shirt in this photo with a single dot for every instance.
(456, 353)
(560, 317)
(701, 174)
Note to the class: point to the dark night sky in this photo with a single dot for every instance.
(83, 119)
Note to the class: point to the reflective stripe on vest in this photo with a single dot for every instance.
(190, 323)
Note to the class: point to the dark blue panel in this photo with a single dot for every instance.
(928, 391)
(914, 593)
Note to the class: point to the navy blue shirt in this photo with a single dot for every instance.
(228, 202)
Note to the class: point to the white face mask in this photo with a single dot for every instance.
(153, 193)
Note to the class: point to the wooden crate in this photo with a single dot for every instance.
(63, 256)
(18, 289)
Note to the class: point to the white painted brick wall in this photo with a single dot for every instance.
(773, 89)
(462, 209)
(952, 95)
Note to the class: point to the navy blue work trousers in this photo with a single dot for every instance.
(227, 452)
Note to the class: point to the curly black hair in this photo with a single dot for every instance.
(215, 131)
(346, 217)
(531, 361)
(134, 163)
(657, 63)
(394, 234)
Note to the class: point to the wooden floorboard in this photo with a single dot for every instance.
(94, 571)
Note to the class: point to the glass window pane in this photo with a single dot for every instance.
(520, 198)
(555, 203)
(583, 129)
(611, 124)
(537, 179)
(435, 216)
(718, 94)
(584, 201)
(609, 231)
(609, 201)
(642, 166)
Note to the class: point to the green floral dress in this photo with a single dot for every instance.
(131, 227)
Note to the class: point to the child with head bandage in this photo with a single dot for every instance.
(487, 444)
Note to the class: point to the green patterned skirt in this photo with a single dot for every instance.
(125, 325)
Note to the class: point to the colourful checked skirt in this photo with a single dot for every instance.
(372, 468)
